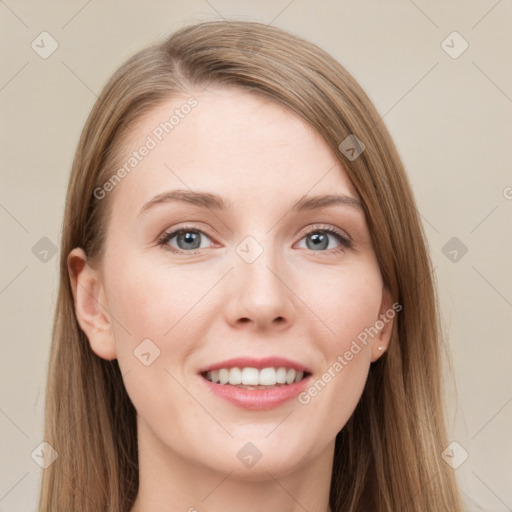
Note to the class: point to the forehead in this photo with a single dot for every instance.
(230, 142)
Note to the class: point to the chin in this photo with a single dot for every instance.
(253, 461)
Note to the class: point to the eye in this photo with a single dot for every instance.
(184, 239)
(320, 238)
(191, 240)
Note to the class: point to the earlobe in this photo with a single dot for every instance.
(384, 323)
(91, 307)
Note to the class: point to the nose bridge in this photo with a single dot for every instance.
(260, 293)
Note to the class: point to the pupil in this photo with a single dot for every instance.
(319, 241)
(191, 239)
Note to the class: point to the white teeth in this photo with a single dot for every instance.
(254, 376)
(268, 377)
(223, 376)
(281, 375)
(250, 377)
(235, 376)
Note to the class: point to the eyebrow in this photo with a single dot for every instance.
(216, 202)
(322, 201)
(204, 199)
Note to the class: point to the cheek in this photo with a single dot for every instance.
(157, 311)
(154, 335)
(349, 306)
(148, 300)
(347, 301)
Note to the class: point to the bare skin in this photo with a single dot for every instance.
(295, 300)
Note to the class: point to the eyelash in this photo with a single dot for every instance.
(345, 243)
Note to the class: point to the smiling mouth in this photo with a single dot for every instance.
(255, 378)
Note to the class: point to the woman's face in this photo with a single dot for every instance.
(270, 274)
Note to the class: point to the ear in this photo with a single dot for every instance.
(384, 323)
(91, 307)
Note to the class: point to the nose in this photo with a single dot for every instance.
(260, 295)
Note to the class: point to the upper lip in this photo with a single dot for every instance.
(250, 362)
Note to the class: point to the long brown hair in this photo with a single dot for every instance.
(388, 456)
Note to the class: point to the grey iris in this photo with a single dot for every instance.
(317, 241)
(191, 239)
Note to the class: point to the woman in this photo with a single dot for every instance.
(246, 315)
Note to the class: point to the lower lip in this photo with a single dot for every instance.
(257, 399)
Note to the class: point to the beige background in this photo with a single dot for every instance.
(450, 118)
